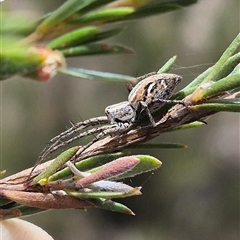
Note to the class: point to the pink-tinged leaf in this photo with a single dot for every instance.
(111, 169)
(45, 200)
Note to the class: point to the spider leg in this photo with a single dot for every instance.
(80, 126)
(58, 144)
(171, 101)
(76, 129)
(104, 131)
(140, 78)
(146, 109)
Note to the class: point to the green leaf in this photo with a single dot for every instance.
(185, 2)
(150, 10)
(223, 105)
(105, 35)
(93, 5)
(15, 58)
(16, 23)
(227, 54)
(104, 194)
(223, 85)
(168, 65)
(95, 49)
(83, 36)
(236, 70)
(227, 67)
(110, 205)
(96, 75)
(73, 38)
(58, 162)
(103, 15)
(187, 126)
(221, 69)
(63, 12)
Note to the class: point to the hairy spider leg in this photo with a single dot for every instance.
(110, 130)
(79, 136)
(140, 78)
(73, 130)
(80, 126)
(146, 109)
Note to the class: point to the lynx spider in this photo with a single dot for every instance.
(151, 92)
(150, 95)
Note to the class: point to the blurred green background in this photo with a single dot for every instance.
(195, 194)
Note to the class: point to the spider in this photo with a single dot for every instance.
(150, 94)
